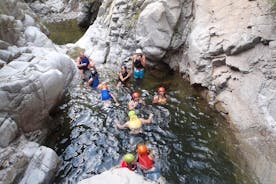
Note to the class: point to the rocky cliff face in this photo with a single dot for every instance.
(232, 53)
(34, 75)
(122, 26)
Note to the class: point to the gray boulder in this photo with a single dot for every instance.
(42, 167)
(117, 176)
(29, 90)
(8, 131)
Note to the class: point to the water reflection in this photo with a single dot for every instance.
(59, 36)
(191, 142)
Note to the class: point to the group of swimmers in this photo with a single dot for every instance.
(89, 73)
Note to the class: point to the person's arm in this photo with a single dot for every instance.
(121, 76)
(119, 125)
(116, 102)
(128, 75)
(142, 102)
(143, 62)
(90, 81)
(147, 121)
(155, 99)
(151, 155)
(167, 97)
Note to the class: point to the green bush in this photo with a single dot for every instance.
(273, 2)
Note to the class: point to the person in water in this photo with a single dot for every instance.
(129, 162)
(138, 64)
(93, 79)
(162, 97)
(123, 76)
(106, 95)
(136, 102)
(134, 124)
(146, 158)
(84, 63)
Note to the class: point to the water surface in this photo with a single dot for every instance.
(192, 143)
(64, 32)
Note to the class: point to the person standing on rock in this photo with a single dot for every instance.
(84, 63)
(138, 64)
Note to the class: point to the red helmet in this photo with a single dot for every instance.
(135, 95)
(142, 149)
(161, 89)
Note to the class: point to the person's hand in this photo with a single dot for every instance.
(151, 116)
(117, 104)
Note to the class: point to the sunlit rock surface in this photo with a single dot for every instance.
(123, 26)
(117, 176)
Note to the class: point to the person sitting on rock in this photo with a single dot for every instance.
(134, 124)
(106, 95)
(162, 97)
(84, 63)
(138, 64)
(136, 102)
(129, 162)
(93, 79)
(146, 158)
(123, 76)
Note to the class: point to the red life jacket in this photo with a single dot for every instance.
(145, 162)
(131, 167)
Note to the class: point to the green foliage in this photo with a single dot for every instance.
(273, 2)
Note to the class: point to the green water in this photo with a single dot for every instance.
(192, 142)
(64, 32)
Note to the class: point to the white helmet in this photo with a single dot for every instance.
(138, 51)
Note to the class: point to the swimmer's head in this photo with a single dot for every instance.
(161, 90)
(128, 158)
(135, 95)
(142, 149)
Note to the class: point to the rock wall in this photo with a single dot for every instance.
(232, 54)
(123, 26)
(34, 75)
